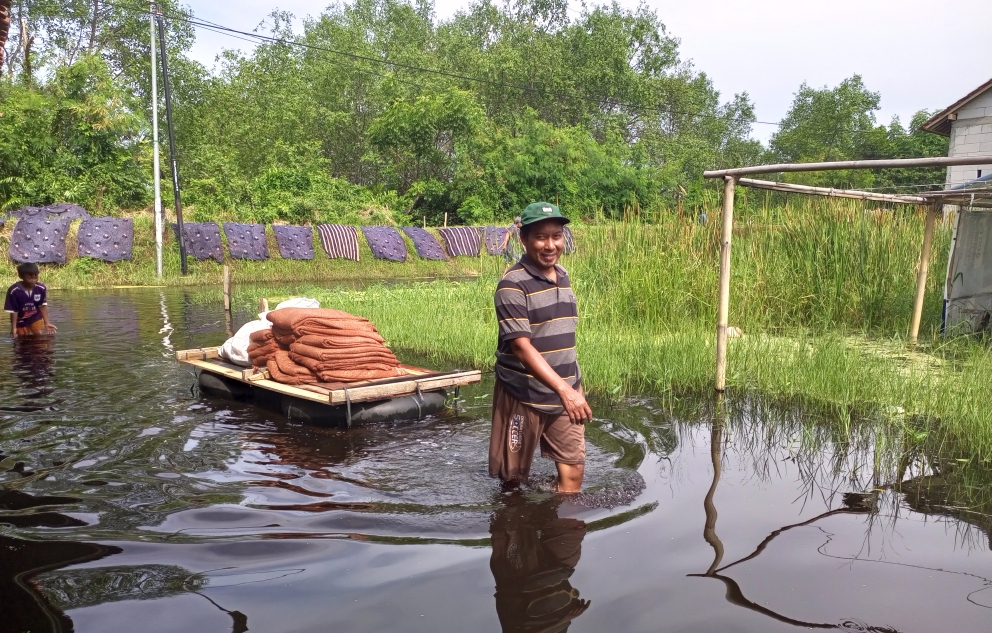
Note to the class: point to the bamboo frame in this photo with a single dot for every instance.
(723, 308)
(921, 275)
(939, 161)
(830, 192)
(733, 176)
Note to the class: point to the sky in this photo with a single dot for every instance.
(918, 55)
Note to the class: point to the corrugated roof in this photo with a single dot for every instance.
(940, 123)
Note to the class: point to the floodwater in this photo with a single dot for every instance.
(128, 502)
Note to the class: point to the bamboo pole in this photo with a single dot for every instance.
(921, 275)
(829, 192)
(939, 161)
(227, 288)
(445, 219)
(724, 305)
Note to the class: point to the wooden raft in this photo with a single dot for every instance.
(208, 359)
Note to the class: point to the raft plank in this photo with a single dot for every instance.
(332, 393)
(406, 388)
(202, 353)
(267, 384)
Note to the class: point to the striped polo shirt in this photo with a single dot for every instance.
(529, 304)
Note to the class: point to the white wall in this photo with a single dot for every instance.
(971, 135)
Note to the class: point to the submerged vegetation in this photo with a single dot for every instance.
(823, 292)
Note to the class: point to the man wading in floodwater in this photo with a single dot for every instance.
(538, 396)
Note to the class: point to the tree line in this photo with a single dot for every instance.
(379, 111)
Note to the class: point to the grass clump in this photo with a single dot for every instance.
(823, 293)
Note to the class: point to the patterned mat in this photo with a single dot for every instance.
(493, 236)
(109, 239)
(385, 242)
(295, 242)
(246, 241)
(39, 241)
(59, 210)
(425, 243)
(202, 240)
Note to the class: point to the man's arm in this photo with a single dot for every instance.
(13, 325)
(574, 402)
(48, 324)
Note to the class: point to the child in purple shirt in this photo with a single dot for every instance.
(27, 303)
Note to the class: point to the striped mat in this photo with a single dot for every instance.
(425, 243)
(462, 240)
(569, 240)
(339, 240)
(494, 238)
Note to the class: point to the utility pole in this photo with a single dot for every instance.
(172, 138)
(156, 167)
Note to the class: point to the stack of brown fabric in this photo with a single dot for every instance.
(326, 345)
(262, 347)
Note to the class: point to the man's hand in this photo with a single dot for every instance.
(575, 405)
(574, 401)
(13, 332)
(50, 328)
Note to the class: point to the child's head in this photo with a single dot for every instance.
(28, 273)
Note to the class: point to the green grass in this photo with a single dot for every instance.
(84, 272)
(823, 293)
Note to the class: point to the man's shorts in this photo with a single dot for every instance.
(517, 431)
(38, 327)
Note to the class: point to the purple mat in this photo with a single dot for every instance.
(462, 240)
(59, 210)
(295, 242)
(493, 236)
(425, 243)
(39, 241)
(385, 242)
(340, 241)
(202, 240)
(246, 241)
(109, 239)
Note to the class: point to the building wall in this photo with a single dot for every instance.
(971, 135)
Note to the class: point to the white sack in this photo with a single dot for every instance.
(235, 349)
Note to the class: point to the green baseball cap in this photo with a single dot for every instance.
(537, 211)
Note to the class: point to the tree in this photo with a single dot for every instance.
(5, 6)
(831, 124)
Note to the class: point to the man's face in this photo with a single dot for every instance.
(545, 242)
(29, 280)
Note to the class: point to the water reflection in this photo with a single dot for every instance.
(34, 368)
(534, 554)
(854, 504)
(25, 608)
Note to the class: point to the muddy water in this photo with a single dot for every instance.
(129, 502)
